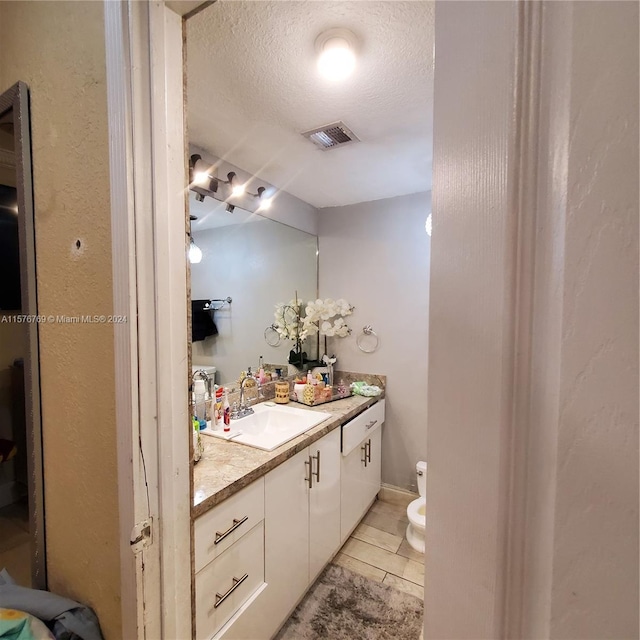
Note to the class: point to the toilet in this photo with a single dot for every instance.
(416, 511)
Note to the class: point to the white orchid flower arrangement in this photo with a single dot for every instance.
(288, 322)
(320, 313)
(324, 317)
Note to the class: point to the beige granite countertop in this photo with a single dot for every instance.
(227, 467)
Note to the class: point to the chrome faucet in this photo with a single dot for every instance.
(243, 409)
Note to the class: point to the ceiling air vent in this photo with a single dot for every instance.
(333, 135)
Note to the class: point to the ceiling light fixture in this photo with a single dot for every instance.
(198, 184)
(428, 225)
(336, 50)
(195, 253)
(237, 190)
(265, 203)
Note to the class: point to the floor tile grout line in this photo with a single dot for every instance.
(363, 562)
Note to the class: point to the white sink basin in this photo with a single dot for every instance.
(269, 427)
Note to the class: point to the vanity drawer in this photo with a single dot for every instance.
(218, 529)
(356, 430)
(228, 582)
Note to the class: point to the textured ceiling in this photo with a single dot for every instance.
(252, 87)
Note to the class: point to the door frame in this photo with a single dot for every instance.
(148, 218)
(145, 95)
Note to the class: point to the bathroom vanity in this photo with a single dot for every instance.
(267, 522)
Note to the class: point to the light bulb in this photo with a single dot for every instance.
(237, 189)
(195, 253)
(337, 60)
(265, 204)
(200, 177)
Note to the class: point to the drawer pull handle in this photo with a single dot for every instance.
(369, 450)
(316, 473)
(236, 583)
(309, 463)
(364, 451)
(373, 422)
(236, 523)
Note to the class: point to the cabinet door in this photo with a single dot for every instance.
(286, 539)
(373, 470)
(324, 502)
(353, 490)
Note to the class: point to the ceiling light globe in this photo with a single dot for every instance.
(337, 60)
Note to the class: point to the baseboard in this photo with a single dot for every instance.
(396, 495)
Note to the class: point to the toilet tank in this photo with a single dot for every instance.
(421, 470)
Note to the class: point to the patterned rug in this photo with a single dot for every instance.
(343, 605)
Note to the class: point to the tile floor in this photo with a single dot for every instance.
(379, 550)
(15, 543)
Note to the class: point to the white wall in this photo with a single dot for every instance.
(376, 255)
(572, 559)
(583, 495)
(259, 264)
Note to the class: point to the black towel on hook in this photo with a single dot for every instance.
(202, 324)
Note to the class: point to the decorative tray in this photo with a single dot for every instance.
(316, 401)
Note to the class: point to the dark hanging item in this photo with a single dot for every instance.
(202, 324)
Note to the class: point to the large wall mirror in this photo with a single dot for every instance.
(245, 264)
(21, 484)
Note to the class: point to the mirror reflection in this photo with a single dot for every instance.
(256, 263)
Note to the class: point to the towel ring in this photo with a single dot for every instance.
(367, 331)
(271, 336)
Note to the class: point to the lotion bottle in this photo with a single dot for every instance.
(226, 412)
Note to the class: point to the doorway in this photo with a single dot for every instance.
(21, 482)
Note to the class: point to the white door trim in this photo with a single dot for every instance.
(482, 253)
(147, 166)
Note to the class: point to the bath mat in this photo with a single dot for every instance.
(343, 605)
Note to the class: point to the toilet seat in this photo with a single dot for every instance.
(416, 512)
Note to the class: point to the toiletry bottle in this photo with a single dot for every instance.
(218, 415)
(226, 412)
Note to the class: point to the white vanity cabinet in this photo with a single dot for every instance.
(282, 530)
(361, 466)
